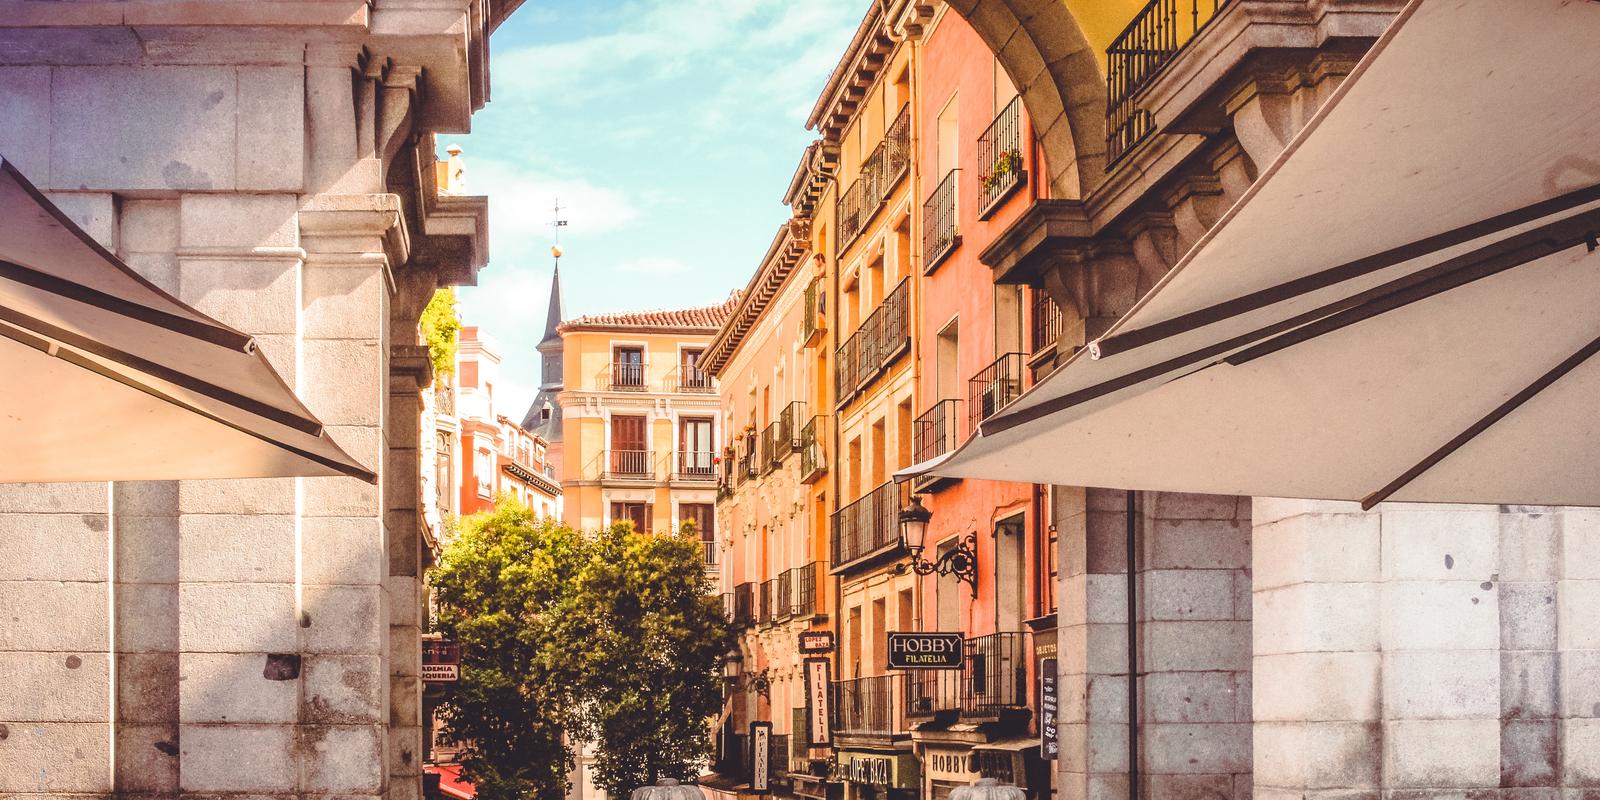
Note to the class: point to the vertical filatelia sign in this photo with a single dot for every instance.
(760, 755)
(818, 713)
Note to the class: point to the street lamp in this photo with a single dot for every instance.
(960, 561)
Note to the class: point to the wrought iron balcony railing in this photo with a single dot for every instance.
(766, 601)
(1150, 42)
(881, 171)
(869, 705)
(690, 380)
(783, 599)
(940, 229)
(813, 322)
(1045, 325)
(1001, 158)
(870, 524)
(626, 376)
(744, 603)
(629, 464)
(711, 554)
(806, 579)
(993, 388)
(695, 466)
(996, 675)
(937, 431)
(813, 463)
(882, 337)
(933, 691)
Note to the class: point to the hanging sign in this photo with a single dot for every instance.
(926, 651)
(819, 679)
(760, 755)
(816, 641)
(441, 661)
(1049, 745)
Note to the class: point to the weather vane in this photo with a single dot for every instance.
(558, 223)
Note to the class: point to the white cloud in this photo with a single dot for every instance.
(521, 203)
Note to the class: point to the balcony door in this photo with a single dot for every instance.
(695, 446)
(636, 513)
(689, 368)
(628, 454)
(627, 366)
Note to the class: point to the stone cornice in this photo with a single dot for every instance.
(818, 165)
(1024, 249)
(858, 69)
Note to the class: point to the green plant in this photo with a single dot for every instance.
(441, 330)
(1008, 163)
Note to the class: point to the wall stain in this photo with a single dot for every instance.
(73, 662)
(281, 667)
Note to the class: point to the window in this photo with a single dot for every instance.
(636, 513)
(628, 453)
(1007, 319)
(483, 467)
(947, 368)
(704, 517)
(1009, 566)
(695, 446)
(627, 368)
(691, 376)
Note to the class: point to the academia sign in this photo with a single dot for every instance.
(441, 661)
(926, 651)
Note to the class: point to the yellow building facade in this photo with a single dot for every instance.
(640, 420)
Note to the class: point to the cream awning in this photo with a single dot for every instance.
(107, 377)
(1401, 307)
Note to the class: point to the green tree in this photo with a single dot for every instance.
(612, 637)
(441, 329)
(496, 585)
(649, 640)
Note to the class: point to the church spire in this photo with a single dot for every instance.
(552, 317)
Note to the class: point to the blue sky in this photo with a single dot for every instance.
(669, 129)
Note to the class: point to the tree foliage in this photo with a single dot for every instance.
(441, 330)
(610, 637)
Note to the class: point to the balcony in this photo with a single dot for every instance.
(996, 675)
(1001, 157)
(698, 466)
(1150, 42)
(940, 233)
(624, 376)
(937, 431)
(993, 388)
(747, 462)
(744, 603)
(805, 591)
(711, 555)
(881, 339)
(690, 380)
(727, 607)
(881, 171)
(813, 463)
(783, 597)
(994, 681)
(814, 320)
(766, 602)
(1044, 326)
(868, 706)
(629, 465)
(870, 525)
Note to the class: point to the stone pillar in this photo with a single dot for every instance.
(1426, 650)
(1194, 639)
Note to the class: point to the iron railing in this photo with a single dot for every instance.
(1045, 325)
(629, 464)
(1001, 157)
(812, 461)
(627, 376)
(936, 432)
(933, 691)
(690, 380)
(1150, 42)
(870, 524)
(882, 337)
(805, 579)
(940, 232)
(993, 388)
(696, 465)
(812, 321)
(710, 552)
(881, 171)
(744, 603)
(996, 674)
(747, 461)
(783, 602)
(868, 705)
(766, 601)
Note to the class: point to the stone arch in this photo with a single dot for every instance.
(1041, 46)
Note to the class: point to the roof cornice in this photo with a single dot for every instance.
(858, 69)
(788, 248)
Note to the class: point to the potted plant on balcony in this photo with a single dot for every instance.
(1007, 164)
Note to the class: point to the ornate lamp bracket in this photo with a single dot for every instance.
(960, 561)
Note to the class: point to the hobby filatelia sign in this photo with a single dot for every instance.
(926, 651)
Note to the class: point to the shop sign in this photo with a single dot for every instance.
(1049, 744)
(926, 651)
(872, 769)
(441, 661)
(816, 641)
(875, 770)
(760, 755)
(819, 679)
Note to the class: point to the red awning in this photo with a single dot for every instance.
(450, 781)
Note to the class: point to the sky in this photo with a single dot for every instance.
(669, 130)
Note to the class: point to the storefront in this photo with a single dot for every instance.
(879, 775)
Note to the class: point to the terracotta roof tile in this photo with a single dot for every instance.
(708, 317)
